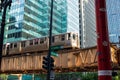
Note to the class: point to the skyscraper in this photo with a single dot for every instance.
(87, 23)
(113, 13)
(31, 18)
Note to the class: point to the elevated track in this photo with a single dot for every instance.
(68, 60)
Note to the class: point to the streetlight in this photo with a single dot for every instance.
(4, 5)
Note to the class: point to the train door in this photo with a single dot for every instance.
(74, 40)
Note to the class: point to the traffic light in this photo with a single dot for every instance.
(52, 63)
(46, 63)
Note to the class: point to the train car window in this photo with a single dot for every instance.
(23, 44)
(45, 39)
(8, 47)
(4, 46)
(41, 40)
(62, 37)
(15, 45)
(68, 36)
(31, 42)
(74, 36)
(11, 45)
(36, 41)
(53, 39)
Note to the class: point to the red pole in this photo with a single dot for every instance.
(103, 46)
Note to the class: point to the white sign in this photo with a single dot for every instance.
(104, 72)
(52, 75)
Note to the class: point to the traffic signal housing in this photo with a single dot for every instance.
(46, 63)
(52, 63)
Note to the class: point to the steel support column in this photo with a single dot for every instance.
(103, 46)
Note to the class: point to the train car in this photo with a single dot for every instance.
(38, 44)
(66, 40)
(11, 48)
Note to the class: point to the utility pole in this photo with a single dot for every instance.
(50, 42)
(4, 5)
(103, 45)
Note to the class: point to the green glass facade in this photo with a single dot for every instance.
(31, 19)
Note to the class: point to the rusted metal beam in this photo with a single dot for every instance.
(68, 60)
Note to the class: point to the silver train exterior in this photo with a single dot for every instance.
(66, 40)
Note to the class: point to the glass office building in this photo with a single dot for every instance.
(87, 23)
(31, 19)
(113, 12)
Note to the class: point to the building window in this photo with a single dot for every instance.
(17, 34)
(11, 27)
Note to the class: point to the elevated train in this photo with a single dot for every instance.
(66, 40)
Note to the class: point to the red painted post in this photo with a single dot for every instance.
(103, 46)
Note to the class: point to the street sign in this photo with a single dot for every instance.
(52, 75)
(54, 54)
(56, 47)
